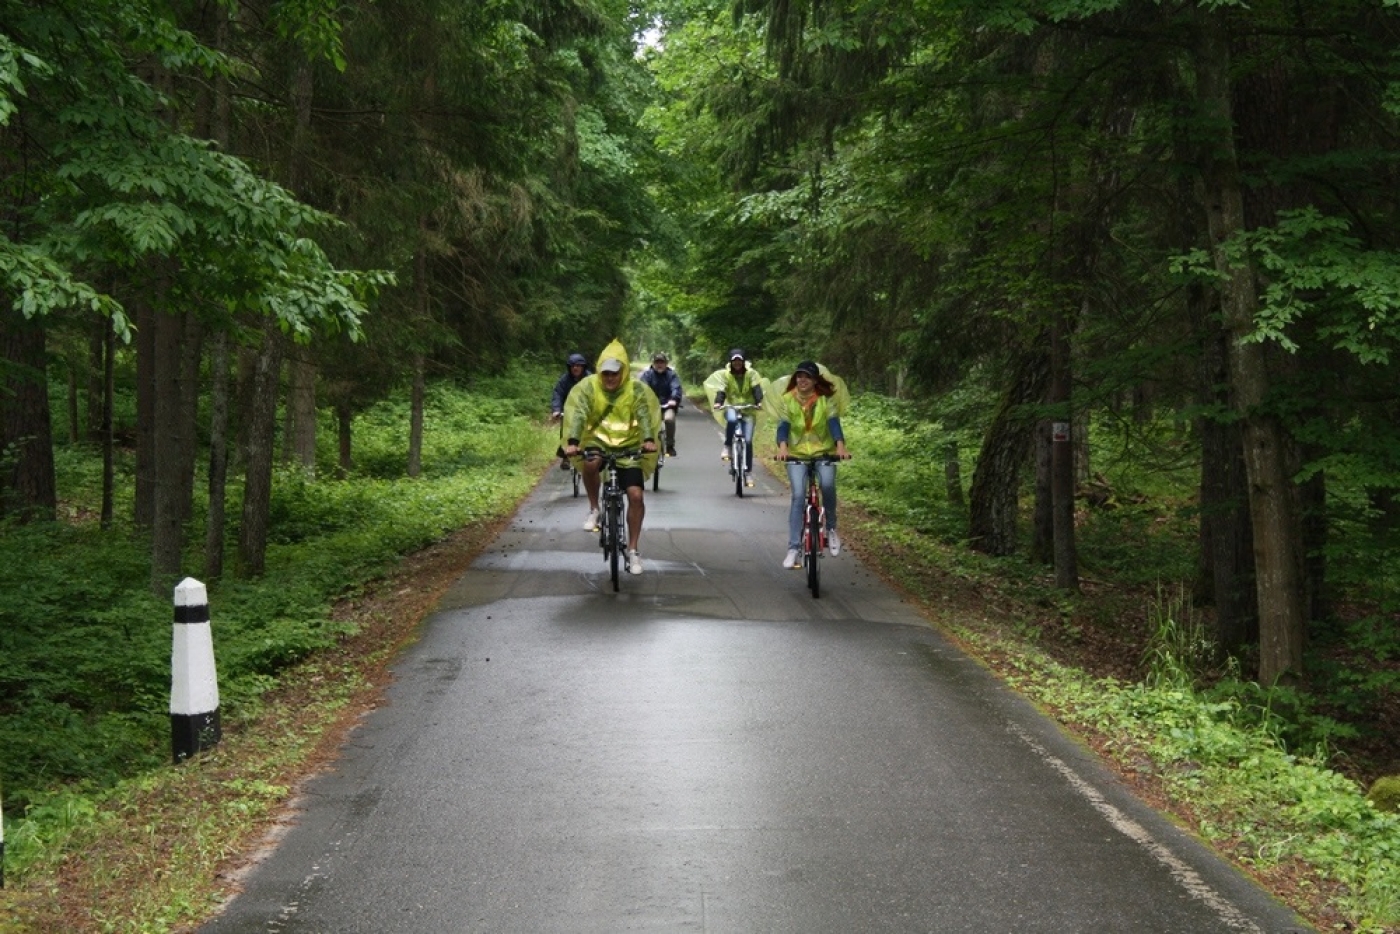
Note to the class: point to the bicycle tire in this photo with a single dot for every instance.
(814, 550)
(614, 556)
(656, 475)
(576, 478)
(740, 454)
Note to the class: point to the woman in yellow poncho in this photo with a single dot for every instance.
(613, 412)
(809, 405)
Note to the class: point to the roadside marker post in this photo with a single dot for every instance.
(194, 682)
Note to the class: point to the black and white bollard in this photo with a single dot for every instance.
(194, 684)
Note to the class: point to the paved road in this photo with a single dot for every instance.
(713, 750)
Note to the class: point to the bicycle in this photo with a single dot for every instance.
(739, 453)
(660, 462)
(813, 522)
(612, 498)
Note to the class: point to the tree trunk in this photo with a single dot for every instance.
(1227, 545)
(107, 427)
(415, 418)
(216, 515)
(1043, 522)
(96, 384)
(344, 420)
(1062, 458)
(28, 487)
(1277, 569)
(952, 474)
(144, 316)
(169, 436)
(258, 454)
(299, 439)
(996, 480)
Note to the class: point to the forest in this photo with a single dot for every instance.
(1026, 226)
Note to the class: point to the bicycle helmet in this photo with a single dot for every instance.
(737, 353)
(577, 359)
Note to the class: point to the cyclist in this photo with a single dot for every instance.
(610, 411)
(809, 408)
(666, 383)
(575, 368)
(739, 384)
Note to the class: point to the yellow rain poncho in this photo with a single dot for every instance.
(613, 421)
(734, 393)
(778, 403)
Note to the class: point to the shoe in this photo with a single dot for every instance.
(591, 523)
(790, 560)
(833, 542)
(670, 452)
(564, 464)
(748, 479)
(724, 453)
(634, 563)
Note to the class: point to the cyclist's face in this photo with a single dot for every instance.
(576, 369)
(659, 366)
(804, 380)
(611, 380)
(737, 365)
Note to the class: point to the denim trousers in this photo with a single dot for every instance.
(731, 422)
(797, 476)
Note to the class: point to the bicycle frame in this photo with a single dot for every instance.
(814, 540)
(739, 465)
(612, 500)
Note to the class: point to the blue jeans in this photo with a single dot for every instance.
(797, 512)
(731, 422)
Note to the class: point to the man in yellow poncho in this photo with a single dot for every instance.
(736, 384)
(613, 412)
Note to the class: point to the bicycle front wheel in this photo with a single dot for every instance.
(576, 478)
(656, 475)
(814, 550)
(615, 536)
(740, 459)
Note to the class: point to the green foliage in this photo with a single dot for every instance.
(1246, 787)
(85, 649)
(1384, 793)
(1179, 650)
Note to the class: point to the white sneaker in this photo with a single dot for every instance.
(724, 452)
(634, 563)
(748, 479)
(591, 523)
(833, 542)
(790, 560)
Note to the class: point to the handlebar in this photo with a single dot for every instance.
(739, 408)
(595, 453)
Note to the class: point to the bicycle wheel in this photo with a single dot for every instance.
(615, 536)
(814, 549)
(576, 478)
(740, 459)
(656, 476)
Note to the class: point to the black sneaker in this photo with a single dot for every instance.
(670, 452)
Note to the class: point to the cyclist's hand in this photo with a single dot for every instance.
(842, 453)
(649, 446)
(782, 451)
(717, 405)
(555, 416)
(571, 450)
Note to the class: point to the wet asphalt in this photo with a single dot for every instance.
(713, 750)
